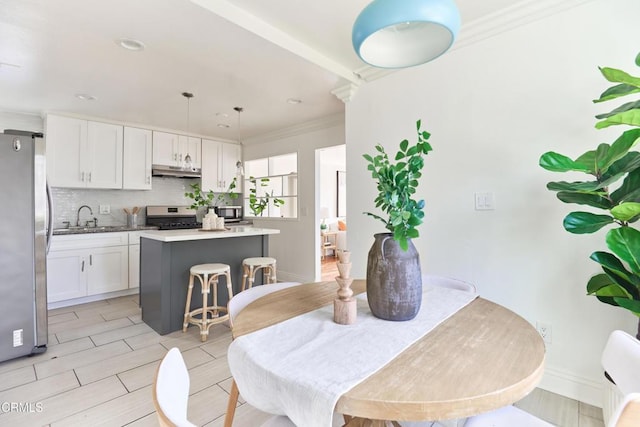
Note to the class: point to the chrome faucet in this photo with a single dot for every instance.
(78, 217)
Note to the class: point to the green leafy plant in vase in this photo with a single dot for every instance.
(205, 199)
(258, 204)
(613, 188)
(393, 263)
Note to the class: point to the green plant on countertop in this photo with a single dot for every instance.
(607, 165)
(209, 198)
(397, 183)
(259, 204)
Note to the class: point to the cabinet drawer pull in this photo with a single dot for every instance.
(82, 266)
(89, 176)
(90, 259)
(82, 176)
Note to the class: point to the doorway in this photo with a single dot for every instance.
(331, 208)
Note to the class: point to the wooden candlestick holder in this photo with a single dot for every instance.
(344, 307)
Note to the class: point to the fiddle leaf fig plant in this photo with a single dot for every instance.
(258, 204)
(613, 188)
(397, 183)
(205, 199)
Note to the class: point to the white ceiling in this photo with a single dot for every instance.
(250, 53)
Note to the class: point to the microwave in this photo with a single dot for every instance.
(229, 213)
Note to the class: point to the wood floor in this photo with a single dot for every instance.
(329, 268)
(100, 364)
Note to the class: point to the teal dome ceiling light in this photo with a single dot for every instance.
(404, 33)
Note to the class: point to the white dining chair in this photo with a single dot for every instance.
(621, 363)
(447, 282)
(171, 391)
(235, 306)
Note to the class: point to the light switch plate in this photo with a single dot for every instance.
(484, 201)
(105, 209)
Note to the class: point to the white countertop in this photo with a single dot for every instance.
(198, 234)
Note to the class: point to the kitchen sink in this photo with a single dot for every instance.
(103, 229)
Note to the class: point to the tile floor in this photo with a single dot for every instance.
(100, 364)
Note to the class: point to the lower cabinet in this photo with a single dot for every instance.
(87, 264)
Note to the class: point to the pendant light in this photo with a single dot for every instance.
(188, 164)
(239, 166)
(404, 33)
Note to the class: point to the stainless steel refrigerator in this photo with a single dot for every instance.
(25, 217)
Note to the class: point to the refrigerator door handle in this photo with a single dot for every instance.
(49, 217)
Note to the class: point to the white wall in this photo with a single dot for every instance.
(332, 160)
(297, 246)
(493, 108)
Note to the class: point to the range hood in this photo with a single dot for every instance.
(175, 171)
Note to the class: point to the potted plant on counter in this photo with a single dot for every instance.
(202, 200)
(394, 281)
(613, 186)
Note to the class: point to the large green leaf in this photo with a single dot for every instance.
(631, 305)
(591, 199)
(617, 91)
(631, 117)
(629, 191)
(628, 163)
(626, 211)
(557, 162)
(625, 243)
(619, 148)
(618, 76)
(579, 186)
(612, 266)
(621, 109)
(585, 222)
(598, 282)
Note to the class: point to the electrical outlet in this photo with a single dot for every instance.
(544, 329)
(484, 201)
(17, 338)
(105, 209)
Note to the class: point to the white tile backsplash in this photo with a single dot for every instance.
(166, 191)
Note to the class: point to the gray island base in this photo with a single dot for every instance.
(167, 256)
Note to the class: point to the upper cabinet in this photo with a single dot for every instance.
(219, 165)
(82, 153)
(170, 149)
(138, 145)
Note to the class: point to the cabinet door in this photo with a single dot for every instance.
(210, 175)
(104, 155)
(134, 266)
(192, 147)
(165, 147)
(136, 161)
(66, 275)
(230, 154)
(66, 140)
(108, 270)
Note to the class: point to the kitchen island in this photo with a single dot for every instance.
(167, 255)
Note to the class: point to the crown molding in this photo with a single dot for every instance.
(299, 129)
(519, 14)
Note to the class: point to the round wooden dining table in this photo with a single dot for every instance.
(481, 358)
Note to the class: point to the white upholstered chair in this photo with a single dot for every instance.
(171, 391)
(447, 282)
(621, 363)
(235, 306)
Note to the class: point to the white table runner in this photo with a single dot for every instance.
(302, 366)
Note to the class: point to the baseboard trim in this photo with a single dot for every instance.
(575, 387)
(92, 298)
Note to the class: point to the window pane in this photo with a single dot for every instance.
(288, 210)
(274, 186)
(290, 185)
(259, 167)
(283, 165)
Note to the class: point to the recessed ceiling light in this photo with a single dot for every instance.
(130, 44)
(85, 97)
(294, 101)
(223, 125)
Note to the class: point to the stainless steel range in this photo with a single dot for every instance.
(172, 217)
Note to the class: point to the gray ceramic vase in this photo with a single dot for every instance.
(394, 281)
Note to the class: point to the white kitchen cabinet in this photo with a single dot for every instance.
(219, 165)
(83, 154)
(134, 259)
(87, 264)
(171, 150)
(136, 161)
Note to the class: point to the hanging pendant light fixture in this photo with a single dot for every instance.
(404, 33)
(188, 164)
(239, 166)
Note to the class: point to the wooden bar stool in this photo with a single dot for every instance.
(251, 265)
(206, 316)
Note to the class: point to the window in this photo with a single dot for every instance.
(271, 187)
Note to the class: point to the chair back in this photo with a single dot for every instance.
(171, 391)
(621, 362)
(447, 282)
(628, 413)
(246, 297)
